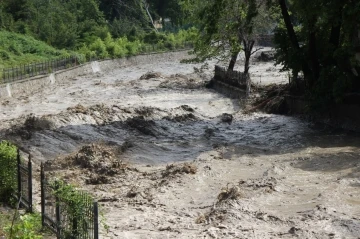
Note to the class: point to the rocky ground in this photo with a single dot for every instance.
(168, 158)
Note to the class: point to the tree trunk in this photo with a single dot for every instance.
(336, 31)
(293, 38)
(335, 35)
(233, 61)
(248, 46)
(314, 58)
(146, 6)
(289, 25)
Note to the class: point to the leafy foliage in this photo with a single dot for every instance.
(75, 205)
(17, 49)
(92, 28)
(8, 172)
(319, 38)
(27, 226)
(227, 27)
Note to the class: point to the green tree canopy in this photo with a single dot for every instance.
(227, 27)
(319, 39)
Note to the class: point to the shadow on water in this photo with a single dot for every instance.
(184, 137)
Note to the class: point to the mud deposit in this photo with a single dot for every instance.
(168, 158)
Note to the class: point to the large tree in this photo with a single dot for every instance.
(318, 38)
(227, 27)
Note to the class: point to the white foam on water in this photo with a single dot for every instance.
(8, 89)
(95, 66)
(52, 78)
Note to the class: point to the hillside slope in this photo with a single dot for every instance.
(16, 49)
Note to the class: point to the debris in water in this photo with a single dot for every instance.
(77, 109)
(227, 193)
(174, 169)
(226, 118)
(150, 75)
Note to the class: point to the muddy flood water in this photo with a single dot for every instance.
(170, 158)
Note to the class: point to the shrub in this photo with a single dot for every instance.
(28, 227)
(133, 47)
(8, 172)
(154, 37)
(99, 47)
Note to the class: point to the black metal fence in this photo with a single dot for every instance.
(24, 178)
(66, 217)
(29, 70)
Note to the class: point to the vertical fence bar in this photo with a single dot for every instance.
(42, 188)
(96, 220)
(19, 173)
(30, 184)
(57, 211)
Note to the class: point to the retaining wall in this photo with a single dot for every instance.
(233, 84)
(34, 84)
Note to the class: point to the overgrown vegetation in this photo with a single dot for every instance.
(14, 226)
(27, 226)
(17, 49)
(319, 39)
(228, 27)
(76, 205)
(40, 30)
(8, 173)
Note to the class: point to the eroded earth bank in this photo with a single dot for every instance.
(169, 158)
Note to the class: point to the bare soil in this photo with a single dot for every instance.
(168, 158)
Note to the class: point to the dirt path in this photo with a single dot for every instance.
(172, 159)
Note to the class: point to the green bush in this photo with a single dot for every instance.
(154, 37)
(133, 47)
(99, 47)
(27, 227)
(8, 172)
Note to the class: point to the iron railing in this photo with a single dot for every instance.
(64, 217)
(13, 74)
(24, 180)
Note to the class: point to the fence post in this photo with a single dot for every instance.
(42, 187)
(96, 220)
(57, 211)
(30, 184)
(19, 173)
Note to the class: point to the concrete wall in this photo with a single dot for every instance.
(233, 78)
(34, 84)
(228, 90)
(233, 84)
